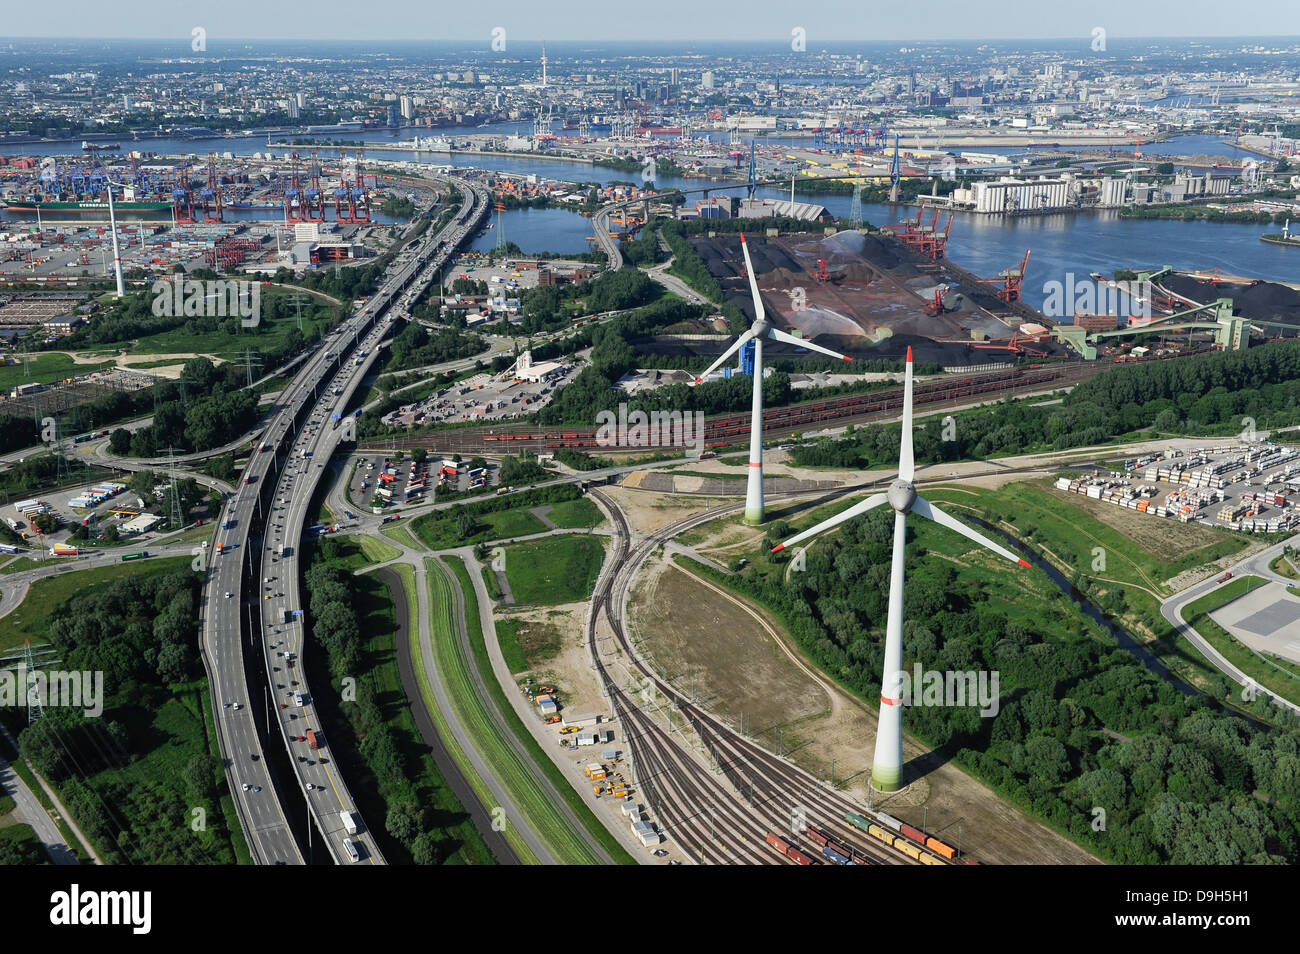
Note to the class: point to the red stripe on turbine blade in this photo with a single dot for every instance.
(890, 702)
(1026, 563)
(754, 464)
(846, 357)
(909, 354)
(778, 547)
(698, 380)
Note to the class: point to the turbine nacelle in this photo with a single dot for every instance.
(901, 495)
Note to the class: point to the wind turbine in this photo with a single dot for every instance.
(887, 768)
(759, 330)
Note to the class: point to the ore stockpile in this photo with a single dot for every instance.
(871, 306)
(1259, 301)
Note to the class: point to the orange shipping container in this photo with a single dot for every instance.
(939, 848)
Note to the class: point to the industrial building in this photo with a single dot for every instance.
(525, 370)
(1013, 194)
(770, 208)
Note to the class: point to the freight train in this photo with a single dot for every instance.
(790, 851)
(910, 841)
(721, 431)
(835, 851)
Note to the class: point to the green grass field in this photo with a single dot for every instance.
(490, 581)
(271, 334)
(1282, 566)
(559, 569)
(526, 644)
(1138, 549)
(481, 659)
(172, 734)
(45, 369)
(31, 618)
(440, 531)
(354, 552)
(401, 535)
(440, 718)
(576, 514)
(519, 774)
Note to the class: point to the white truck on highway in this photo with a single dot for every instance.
(349, 822)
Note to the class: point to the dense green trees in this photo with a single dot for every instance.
(1210, 392)
(415, 346)
(140, 633)
(1175, 778)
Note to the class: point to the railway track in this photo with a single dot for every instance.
(722, 429)
(768, 794)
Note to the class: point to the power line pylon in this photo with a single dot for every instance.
(34, 708)
(177, 517)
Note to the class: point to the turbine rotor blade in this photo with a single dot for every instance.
(906, 467)
(859, 508)
(923, 508)
(759, 314)
(735, 346)
(777, 335)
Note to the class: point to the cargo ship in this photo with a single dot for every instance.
(120, 207)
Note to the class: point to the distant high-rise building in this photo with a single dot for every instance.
(674, 77)
(392, 115)
(408, 109)
(707, 79)
(470, 76)
(300, 99)
(543, 66)
(291, 108)
(126, 102)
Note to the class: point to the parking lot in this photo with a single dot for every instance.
(387, 482)
(483, 397)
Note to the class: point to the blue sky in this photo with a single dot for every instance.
(824, 20)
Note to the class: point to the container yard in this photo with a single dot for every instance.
(1250, 487)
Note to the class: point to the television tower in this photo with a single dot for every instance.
(543, 65)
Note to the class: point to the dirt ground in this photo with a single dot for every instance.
(569, 671)
(649, 512)
(751, 666)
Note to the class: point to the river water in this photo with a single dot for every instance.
(1061, 244)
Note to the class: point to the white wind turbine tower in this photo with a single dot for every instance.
(887, 768)
(760, 329)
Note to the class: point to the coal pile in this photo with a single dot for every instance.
(1260, 301)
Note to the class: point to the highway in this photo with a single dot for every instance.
(233, 590)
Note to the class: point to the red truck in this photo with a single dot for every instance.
(312, 741)
(1224, 579)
